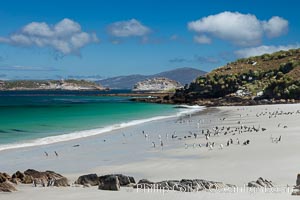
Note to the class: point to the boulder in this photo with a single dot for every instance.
(53, 175)
(261, 183)
(7, 176)
(109, 182)
(21, 177)
(46, 178)
(184, 185)
(18, 175)
(61, 182)
(42, 175)
(7, 187)
(253, 184)
(91, 179)
(123, 179)
(144, 183)
(2, 177)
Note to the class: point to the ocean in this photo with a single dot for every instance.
(29, 118)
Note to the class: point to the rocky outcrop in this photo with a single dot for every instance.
(184, 185)
(61, 182)
(49, 178)
(126, 181)
(109, 182)
(106, 181)
(89, 179)
(45, 176)
(20, 177)
(4, 177)
(261, 183)
(157, 84)
(5, 185)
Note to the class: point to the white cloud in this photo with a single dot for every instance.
(65, 37)
(240, 29)
(128, 28)
(202, 39)
(256, 51)
(276, 26)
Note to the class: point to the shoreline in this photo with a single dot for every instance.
(134, 155)
(92, 132)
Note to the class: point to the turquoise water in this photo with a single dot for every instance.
(29, 117)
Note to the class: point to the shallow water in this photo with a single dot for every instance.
(26, 116)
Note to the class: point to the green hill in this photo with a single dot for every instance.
(270, 76)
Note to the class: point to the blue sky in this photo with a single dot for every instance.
(53, 39)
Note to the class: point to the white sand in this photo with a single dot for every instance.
(134, 155)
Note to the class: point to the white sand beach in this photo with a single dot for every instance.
(129, 151)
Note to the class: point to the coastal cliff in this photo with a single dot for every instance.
(49, 85)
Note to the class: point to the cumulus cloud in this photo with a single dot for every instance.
(65, 37)
(240, 29)
(202, 39)
(260, 50)
(275, 27)
(128, 28)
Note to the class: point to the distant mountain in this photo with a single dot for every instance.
(182, 75)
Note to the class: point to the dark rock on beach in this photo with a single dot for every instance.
(93, 180)
(261, 183)
(4, 177)
(144, 183)
(21, 177)
(184, 185)
(48, 178)
(61, 182)
(89, 179)
(114, 181)
(42, 177)
(109, 182)
(5, 185)
(124, 180)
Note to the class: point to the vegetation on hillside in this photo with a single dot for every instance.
(268, 76)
